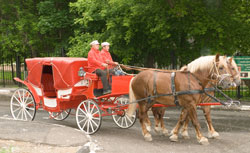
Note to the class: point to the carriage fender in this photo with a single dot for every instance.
(32, 90)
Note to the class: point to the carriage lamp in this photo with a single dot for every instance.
(81, 72)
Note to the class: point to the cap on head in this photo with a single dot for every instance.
(95, 42)
(105, 44)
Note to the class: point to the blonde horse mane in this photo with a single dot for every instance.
(202, 63)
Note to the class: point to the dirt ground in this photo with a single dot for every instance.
(10, 146)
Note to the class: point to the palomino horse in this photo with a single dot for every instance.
(206, 109)
(159, 111)
(150, 83)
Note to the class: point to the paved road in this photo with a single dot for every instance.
(233, 127)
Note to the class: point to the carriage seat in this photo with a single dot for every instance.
(48, 85)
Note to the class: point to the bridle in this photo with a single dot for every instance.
(214, 73)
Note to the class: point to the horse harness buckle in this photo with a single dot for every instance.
(174, 93)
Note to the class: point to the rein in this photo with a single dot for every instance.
(185, 92)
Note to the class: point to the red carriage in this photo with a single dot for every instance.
(61, 84)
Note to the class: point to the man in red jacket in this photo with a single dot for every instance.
(106, 57)
(96, 64)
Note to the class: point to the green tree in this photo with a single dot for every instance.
(163, 32)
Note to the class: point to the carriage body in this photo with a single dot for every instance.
(60, 84)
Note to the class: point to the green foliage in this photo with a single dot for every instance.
(141, 32)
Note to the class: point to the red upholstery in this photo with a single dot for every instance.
(48, 85)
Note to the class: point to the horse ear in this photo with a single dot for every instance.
(230, 59)
(184, 68)
(217, 57)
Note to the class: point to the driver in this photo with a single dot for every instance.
(106, 57)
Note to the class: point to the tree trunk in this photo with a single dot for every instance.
(173, 59)
(149, 60)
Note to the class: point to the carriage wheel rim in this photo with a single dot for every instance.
(88, 117)
(124, 121)
(22, 105)
(59, 116)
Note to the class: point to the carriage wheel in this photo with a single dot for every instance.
(121, 119)
(88, 116)
(22, 105)
(59, 116)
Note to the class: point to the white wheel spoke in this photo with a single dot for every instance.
(23, 96)
(25, 115)
(28, 113)
(94, 123)
(20, 96)
(31, 102)
(126, 121)
(84, 116)
(83, 111)
(27, 97)
(30, 108)
(17, 109)
(17, 99)
(96, 118)
(128, 118)
(92, 109)
(95, 113)
(16, 105)
(84, 124)
(61, 115)
(22, 114)
(19, 113)
(91, 125)
(88, 126)
(119, 118)
(82, 120)
(84, 107)
(122, 122)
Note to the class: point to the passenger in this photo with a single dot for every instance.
(108, 59)
(96, 64)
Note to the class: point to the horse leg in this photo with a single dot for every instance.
(156, 112)
(159, 122)
(211, 131)
(184, 131)
(148, 124)
(175, 131)
(193, 116)
(143, 116)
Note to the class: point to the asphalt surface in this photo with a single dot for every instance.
(232, 124)
(38, 132)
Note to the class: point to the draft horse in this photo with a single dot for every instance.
(160, 111)
(151, 83)
(235, 75)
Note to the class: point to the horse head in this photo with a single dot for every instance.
(221, 72)
(234, 71)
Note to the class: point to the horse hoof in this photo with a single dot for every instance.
(185, 135)
(171, 133)
(173, 138)
(204, 141)
(148, 128)
(148, 137)
(165, 132)
(214, 135)
(158, 130)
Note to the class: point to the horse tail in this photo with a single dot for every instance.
(132, 99)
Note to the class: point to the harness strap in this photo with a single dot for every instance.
(154, 83)
(173, 89)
